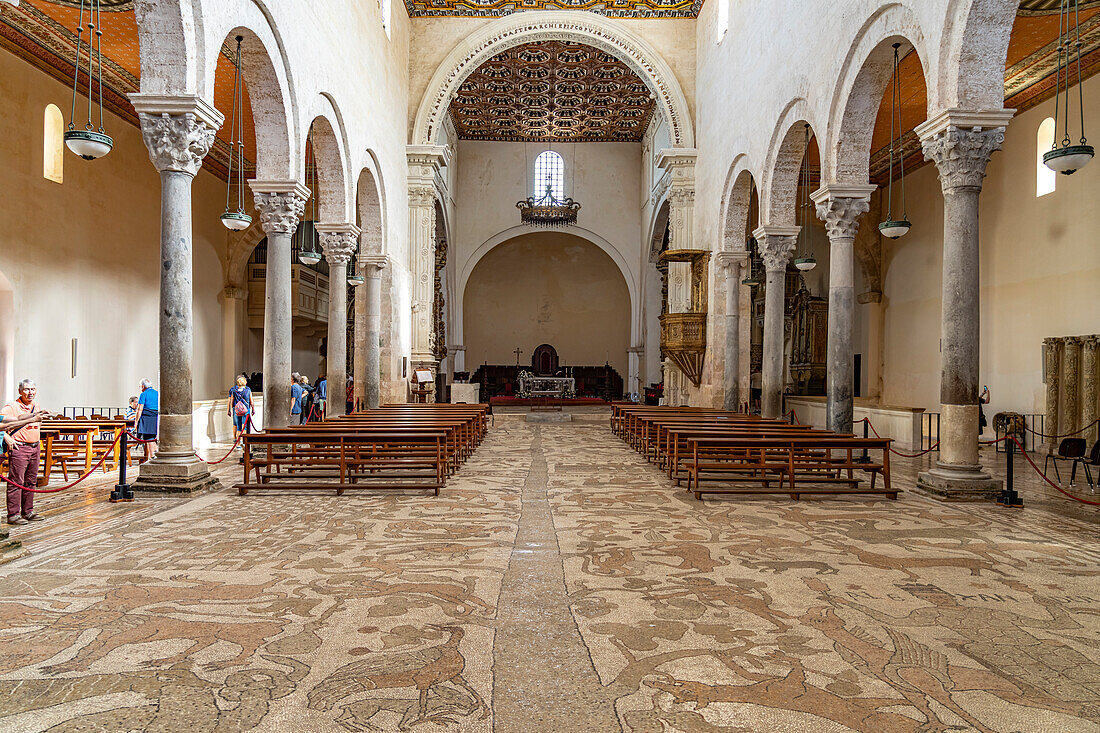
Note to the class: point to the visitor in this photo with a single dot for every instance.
(146, 417)
(321, 396)
(296, 398)
(349, 396)
(131, 409)
(308, 401)
(23, 416)
(241, 408)
(983, 399)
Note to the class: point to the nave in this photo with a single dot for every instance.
(558, 583)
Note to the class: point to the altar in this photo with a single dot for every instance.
(533, 386)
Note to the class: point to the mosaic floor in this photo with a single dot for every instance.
(558, 583)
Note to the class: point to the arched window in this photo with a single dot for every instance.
(1045, 178)
(723, 22)
(550, 167)
(53, 144)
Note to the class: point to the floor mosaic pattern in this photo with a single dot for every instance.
(558, 583)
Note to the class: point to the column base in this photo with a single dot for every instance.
(958, 483)
(10, 549)
(175, 476)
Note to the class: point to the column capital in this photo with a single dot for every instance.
(961, 142)
(338, 242)
(776, 245)
(280, 203)
(421, 196)
(176, 143)
(730, 261)
(234, 292)
(638, 349)
(1090, 343)
(840, 206)
(372, 265)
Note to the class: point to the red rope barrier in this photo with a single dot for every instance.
(1044, 476)
(214, 463)
(896, 452)
(92, 470)
(794, 416)
(1067, 435)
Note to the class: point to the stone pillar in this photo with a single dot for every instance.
(1071, 393)
(371, 267)
(234, 305)
(776, 245)
(1088, 386)
(876, 339)
(179, 133)
(1052, 355)
(635, 356)
(840, 207)
(730, 263)
(281, 205)
(458, 352)
(425, 164)
(679, 165)
(338, 242)
(960, 144)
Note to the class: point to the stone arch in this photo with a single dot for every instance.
(266, 73)
(466, 268)
(657, 228)
(332, 192)
(238, 251)
(735, 205)
(973, 54)
(168, 47)
(867, 70)
(370, 209)
(553, 25)
(779, 188)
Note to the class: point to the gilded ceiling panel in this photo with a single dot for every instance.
(553, 90)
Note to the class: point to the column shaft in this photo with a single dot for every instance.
(372, 362)
(1053, 357)
(1071, 391)
(839, 401)
(1088, 387)
(771, 404)
(278, 329)
(337, 372)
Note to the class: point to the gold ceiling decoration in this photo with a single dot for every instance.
(609, 8)
(1050, 7)
(556, 91)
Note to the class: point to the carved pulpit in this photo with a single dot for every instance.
(684, 333)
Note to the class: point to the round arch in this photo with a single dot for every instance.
(467, 267)
(735, 204)
(169, 51)
(332, 188)
(657, 228)
(370, 207)
(867, 70)
(785, 151)
(557, 25)
(973, 54)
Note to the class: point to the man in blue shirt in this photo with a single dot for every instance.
(321, 389)
(295, 398)
(147, 416)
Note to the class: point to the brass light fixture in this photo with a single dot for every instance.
(1065, 157)
(236, 220)
(895, 228)
(307, 251)
(89, 143)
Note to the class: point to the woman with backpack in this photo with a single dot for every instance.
(241, 408)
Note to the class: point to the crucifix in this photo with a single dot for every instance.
(517, 352)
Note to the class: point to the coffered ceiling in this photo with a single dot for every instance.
(553, 90)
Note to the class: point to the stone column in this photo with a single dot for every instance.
(1052, 356)
(425, 164)
(281, 205)
(338, 242)
(178, 133)
(1071, 389)
(840, 207)
(458, 352)
(776, 245)
(371, 267)
(635, 357)
(1088, 386)
(730, 263)
(960, 144)
(234, 314)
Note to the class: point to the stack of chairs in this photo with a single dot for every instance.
(718, 452)
(396, 447)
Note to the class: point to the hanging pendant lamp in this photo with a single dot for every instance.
(1067, 158)
(895, 228)
(806, 260)
(236, 220)
(89, 143)
(308, 255)
(751, 279)
(354, 278)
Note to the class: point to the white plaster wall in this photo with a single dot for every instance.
(492, 176)
(83, 257)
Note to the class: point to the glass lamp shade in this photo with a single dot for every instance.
(1070, 159)
(355, 280)
(88, 144)
(750, 281)
(236, 220)
(894, 229)
(308, 257)
(805, 263)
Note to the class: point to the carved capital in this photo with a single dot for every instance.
(840, 207)
(233, 292)
(176, 142)
(338, 247)
(280, 206)
(730, 262)
(681, 196)
(776, 245)
(961, 155)
(372, 265)
(421, 196)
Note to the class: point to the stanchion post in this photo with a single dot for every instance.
(123, 491)
(864, 458)
(1009, 497)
